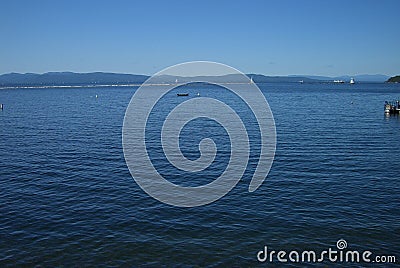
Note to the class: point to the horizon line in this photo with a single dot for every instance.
(278, 75)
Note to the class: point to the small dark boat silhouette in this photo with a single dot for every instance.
(182, 94)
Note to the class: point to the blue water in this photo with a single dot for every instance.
(67, 197)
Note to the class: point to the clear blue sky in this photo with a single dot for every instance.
(318, 37)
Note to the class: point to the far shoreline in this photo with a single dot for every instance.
(171, 84)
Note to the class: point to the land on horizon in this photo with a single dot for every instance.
(103, 78)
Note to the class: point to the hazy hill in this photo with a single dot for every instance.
(100, 78)
(364, 78)
(378, 78)
(70, 78)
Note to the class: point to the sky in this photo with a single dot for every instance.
(283, 37)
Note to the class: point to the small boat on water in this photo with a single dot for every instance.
(352, 81)
(338, 81)
(392, 107)
(182, 94)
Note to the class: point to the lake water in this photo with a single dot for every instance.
(67, 197)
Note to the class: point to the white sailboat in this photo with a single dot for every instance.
(352, 81)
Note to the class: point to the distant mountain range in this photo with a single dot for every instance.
(100, 78)
(69, 78)
(360, 78)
